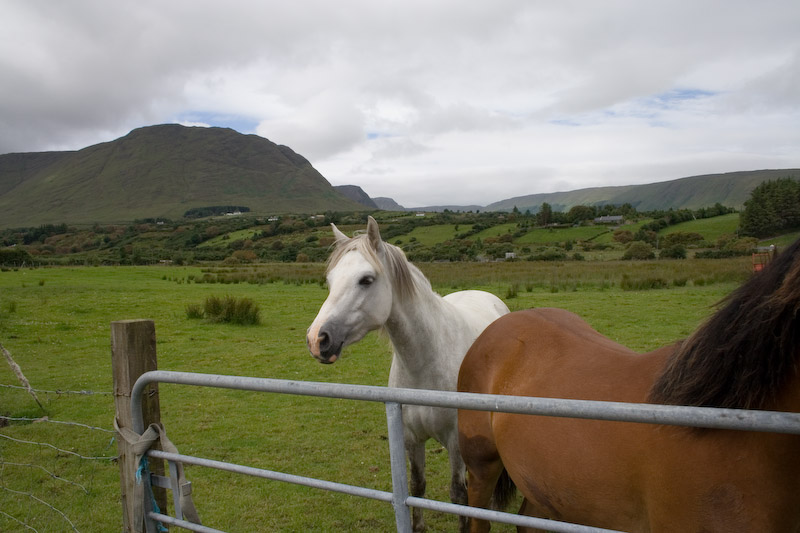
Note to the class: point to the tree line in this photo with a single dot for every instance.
(773, 208)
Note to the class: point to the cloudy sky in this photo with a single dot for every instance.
(425, 101)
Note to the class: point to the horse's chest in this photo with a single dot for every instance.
(429, 422)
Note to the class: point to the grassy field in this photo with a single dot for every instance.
(430, 235)
(56, 322)
(710, 228)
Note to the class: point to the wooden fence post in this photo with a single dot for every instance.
(133, 352)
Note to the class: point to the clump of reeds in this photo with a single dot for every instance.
(226, 309)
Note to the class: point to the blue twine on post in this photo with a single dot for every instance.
(143, 470)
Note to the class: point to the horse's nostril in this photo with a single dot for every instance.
(324, 341)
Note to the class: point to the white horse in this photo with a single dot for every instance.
(372, 285)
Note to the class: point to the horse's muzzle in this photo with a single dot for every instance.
(324, 347)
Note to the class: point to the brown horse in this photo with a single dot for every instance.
(644, 477)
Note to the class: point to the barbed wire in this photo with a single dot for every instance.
(49, 473)
(34, 497)
(58, 391)
(47, 419)
(18, 521)
(56, 448)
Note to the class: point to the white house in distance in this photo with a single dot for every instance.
(610, 219)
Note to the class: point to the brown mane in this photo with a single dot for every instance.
(744, 354)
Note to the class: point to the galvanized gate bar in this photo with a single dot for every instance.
(397, 460)
(353, 490)
(507, 518)
(708, 417)
(394, 398)
(185, 524)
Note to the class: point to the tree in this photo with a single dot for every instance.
(14, 256)
(579, 213)
(773, 207)
(545, 214)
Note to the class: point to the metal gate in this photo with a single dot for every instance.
(394, 399)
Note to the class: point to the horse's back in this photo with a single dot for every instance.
(528, 352)
(479, 308)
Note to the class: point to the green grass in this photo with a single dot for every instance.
(59, 333)
(710, 228)
(545, 236)
(430, 235)
(496, 231)
(223, 240)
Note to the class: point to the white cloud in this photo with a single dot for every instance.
(427, 102)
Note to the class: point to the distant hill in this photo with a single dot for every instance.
(387, 204)
(161, 171)
(731, 190)
(357, 194)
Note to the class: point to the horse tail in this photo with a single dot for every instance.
(504, 492)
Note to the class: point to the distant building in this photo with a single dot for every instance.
(609, 219)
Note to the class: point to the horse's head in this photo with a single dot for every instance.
(360, 294)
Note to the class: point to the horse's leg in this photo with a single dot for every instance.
(416, 458)
(458, 482)
(526, 510)
(482, 459)
(481, 481)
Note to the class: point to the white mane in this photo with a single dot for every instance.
(407, 280)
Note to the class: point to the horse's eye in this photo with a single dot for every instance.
(366, 281)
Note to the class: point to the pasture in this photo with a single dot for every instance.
(56, 321)
(711, 228)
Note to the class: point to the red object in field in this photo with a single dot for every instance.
(760, 260)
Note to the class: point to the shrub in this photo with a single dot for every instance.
(194, 311)
(676, 251)
(716, 254)
(681, 237)
(14, 257)
(227, 309)
(623, 236)
(548, 255)
(512, 291)
(629, 284)
(639, 250)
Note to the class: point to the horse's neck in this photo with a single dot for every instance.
(421, 330)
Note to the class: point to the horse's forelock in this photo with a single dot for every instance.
(394, 263)
(359, 244)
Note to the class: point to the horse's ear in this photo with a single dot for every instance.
(340, 237)
(374, 234)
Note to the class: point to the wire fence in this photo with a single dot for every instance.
(55, 474)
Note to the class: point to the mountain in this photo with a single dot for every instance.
(161, 171)
(387, 204)
(357, 194)
(730, 189)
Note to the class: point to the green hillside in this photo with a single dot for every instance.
(161, 171)
(731, 190)
(710, 228)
